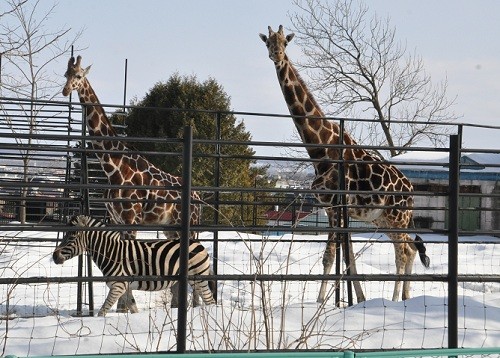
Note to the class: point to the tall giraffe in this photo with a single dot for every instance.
(363, 172)
(159, 206)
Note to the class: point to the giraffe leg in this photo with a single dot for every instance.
(329, 254)
(328, 261)
(399, 255)
(411, 252)
(360, 296)
(405, 254)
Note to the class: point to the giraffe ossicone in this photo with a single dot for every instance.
(363, 172)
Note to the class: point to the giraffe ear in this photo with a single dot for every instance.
(263, 37)
(290, 37)
(86, 71)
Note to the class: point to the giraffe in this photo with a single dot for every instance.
(363, 172)
(159, 206)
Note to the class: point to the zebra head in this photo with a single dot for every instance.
(74, 242)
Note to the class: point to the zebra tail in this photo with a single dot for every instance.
(419, 244)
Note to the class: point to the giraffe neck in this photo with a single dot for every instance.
(112, 156)
(304, 108)
(98, 123)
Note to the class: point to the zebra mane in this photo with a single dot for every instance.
(84, 221)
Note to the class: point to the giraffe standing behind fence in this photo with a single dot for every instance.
(129, 203)
(363, 172)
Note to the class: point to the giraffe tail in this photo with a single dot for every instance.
(419, 244)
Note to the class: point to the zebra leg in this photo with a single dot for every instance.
(122, 306)
(126, 303)
(116, 290)
(203, 290)
(174, 290)
(174, 301)
(196, 298)
(130, 301)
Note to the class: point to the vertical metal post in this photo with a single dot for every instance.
(343, 216)
(185, 238)
(125, 86)
(82, 169)
(454, 192)
(218, 137)
(84, 206)
(86, 211)
(67, 177)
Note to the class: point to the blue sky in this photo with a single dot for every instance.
(458, 40)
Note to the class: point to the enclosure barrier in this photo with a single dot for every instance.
(256, 197)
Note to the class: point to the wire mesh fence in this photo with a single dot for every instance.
(266, 239)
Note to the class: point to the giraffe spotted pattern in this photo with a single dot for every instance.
(364, 172)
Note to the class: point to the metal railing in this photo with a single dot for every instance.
(69, 194)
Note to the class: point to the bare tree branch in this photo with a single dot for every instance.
(28, 49)
(356, 65)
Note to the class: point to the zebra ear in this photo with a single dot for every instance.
(73, 220)
(79, 220)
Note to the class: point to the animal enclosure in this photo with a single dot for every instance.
(266, 241)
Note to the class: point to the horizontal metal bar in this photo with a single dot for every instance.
(256, 277)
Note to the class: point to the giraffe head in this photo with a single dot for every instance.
(276, 43)
(75, 75)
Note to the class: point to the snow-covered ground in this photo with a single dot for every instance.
(36, 319)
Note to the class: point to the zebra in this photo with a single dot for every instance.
(116, 256)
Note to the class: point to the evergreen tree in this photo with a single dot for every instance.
(183, 100)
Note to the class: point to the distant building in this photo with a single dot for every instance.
(479, 200)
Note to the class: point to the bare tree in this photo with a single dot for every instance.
(356, 66)
(27, 50)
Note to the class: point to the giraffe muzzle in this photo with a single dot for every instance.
(66, 91)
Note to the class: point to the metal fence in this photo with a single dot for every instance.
(47, 167)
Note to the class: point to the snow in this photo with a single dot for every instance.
(252, 315)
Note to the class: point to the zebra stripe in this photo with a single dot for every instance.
(116, 256)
